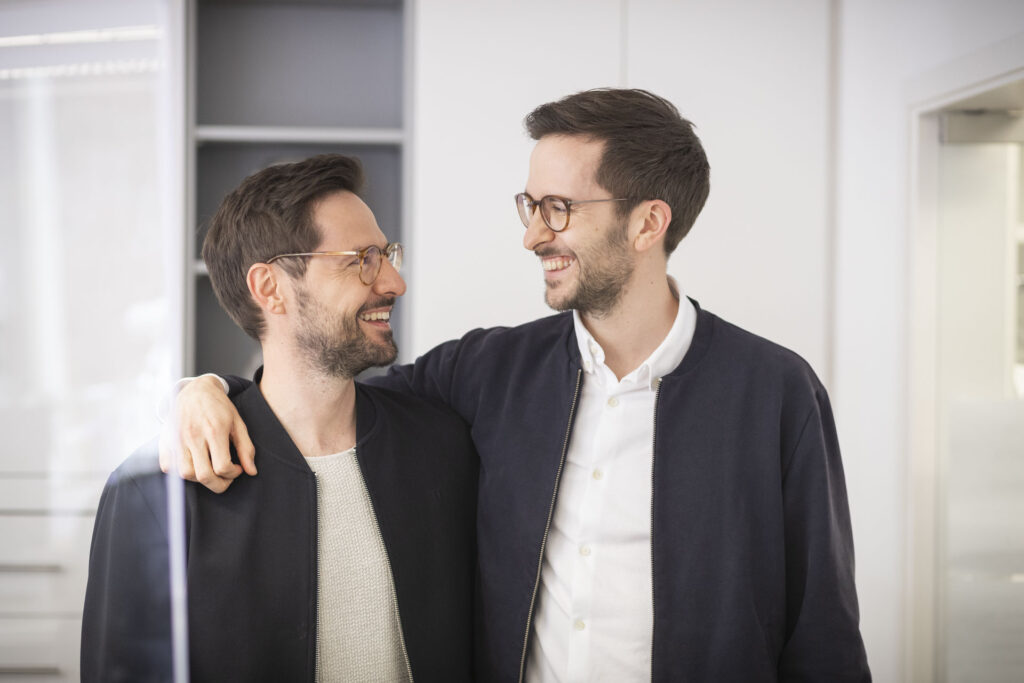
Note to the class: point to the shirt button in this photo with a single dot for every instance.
(612, 402)
(585, 550)
(598, 474)
(588, 366)
(579, 625)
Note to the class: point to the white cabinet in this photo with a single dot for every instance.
(39, 648)
(46, 525)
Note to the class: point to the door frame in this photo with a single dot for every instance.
(926, 95)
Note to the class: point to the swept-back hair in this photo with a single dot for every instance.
(271, 213)
(650, 151)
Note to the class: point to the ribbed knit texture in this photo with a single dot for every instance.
(358, 632)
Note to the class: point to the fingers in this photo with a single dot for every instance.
(197, 456)
(207, 422)
(220, 456)
(205, 475)
(174, 457)
(243, 446)
(185, 469)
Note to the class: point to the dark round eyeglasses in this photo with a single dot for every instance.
(370, 259)
(554, 210)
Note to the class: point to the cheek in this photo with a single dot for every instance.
(342, 305)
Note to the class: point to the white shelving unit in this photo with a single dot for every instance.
(277, 80)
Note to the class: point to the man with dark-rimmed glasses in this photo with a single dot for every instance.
(661, 493)
(351, 556)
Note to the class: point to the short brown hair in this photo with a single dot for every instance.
(650, 151)
(271, 213)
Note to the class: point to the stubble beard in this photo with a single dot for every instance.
(604, 271)
(337, 345)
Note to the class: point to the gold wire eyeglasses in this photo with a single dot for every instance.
(370, 259)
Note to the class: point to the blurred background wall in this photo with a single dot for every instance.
(830, 229)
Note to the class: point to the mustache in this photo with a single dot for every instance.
(544, 251)
(377, 303)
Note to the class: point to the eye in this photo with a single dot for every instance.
(349, 262)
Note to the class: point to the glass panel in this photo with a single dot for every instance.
(88, 335)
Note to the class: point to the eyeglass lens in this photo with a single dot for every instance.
(553, 210)
(370, 267)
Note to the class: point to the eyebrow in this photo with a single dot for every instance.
(382, 247)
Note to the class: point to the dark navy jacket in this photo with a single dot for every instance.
(252, 552)
(752, 550)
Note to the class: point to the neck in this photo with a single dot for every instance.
(640, 321)
(317, 411)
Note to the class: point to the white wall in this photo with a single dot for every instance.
(885, 47)
(753, 77)
(757, 254)
(479, 68)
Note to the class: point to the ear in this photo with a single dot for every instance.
(265, 287)
(652, 218)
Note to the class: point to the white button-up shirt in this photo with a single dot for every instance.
(594, 618)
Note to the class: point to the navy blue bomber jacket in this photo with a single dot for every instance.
(252, 552)
(752, 551)
(750, 527)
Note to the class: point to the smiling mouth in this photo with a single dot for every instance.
(377, 317)
(556, 263)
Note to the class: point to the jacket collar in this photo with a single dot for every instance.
(701, 342)
(269, 435)
(698, 346)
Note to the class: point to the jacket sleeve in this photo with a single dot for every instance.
(126, 620)
(430, 376)
(436, 376)
(822, 618)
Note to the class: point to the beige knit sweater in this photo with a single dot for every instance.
(358, 632)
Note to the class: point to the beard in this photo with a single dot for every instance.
(604, 270)
(336, 344)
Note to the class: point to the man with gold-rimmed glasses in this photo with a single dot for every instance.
(351, 556)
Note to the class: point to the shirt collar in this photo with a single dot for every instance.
(662, 360)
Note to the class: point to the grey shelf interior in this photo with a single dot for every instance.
(299, 64)
(295, 65)
(220, 167)
(234, 352)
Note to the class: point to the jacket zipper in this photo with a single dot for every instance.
(547, 528)
(316, 607)
(654, 453)
(391, 574)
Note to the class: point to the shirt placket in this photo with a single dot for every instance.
(592, 507)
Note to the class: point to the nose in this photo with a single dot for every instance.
(537, 232)
(389, 282)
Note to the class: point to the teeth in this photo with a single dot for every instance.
(378, 315)
(555, 263)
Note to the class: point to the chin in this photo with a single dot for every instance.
(388, 354)
(557, 298)
(558, 304)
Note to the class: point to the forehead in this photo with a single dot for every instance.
(346, 222)
(564, 165)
